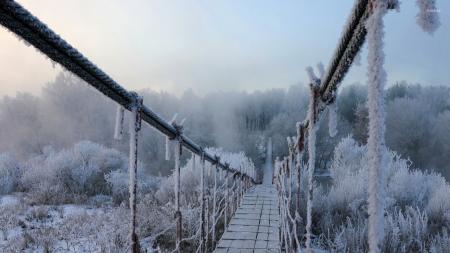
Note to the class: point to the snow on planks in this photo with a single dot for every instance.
(255, 226)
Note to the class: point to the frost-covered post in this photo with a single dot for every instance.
(241, 186)
(207, 223)
(376, 80)
(135, 127)
(241, 189)
(178, 216)
(290, 161)
(300, 148)
(312, 117)
(227, 194)
(216, 171)
(202, 185)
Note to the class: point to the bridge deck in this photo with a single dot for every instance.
(255, 226)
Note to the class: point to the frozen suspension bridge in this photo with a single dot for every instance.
(266, 216)
(255, 226)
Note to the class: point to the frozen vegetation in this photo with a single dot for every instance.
(417, 211)
(59, 193)
(76, 200)
(417, 204)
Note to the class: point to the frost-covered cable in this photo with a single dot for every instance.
(311, 158)
(428, 16)
(332, 119)
(376, 144)
(118, 129)
(285, 179)
(135, 127)
(293, 166)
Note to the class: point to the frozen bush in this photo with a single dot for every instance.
(118, 183)
(190, 176)
(418, 205)
(406, 231)
(9, 174)
(71, 174)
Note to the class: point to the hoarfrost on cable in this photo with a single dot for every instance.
(428, 16)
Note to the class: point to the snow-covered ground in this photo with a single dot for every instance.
(63, 228)
(76, 200)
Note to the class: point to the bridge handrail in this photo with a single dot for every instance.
(29, 28)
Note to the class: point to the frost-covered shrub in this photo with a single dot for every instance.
(349, 174)
(9, 208)
(118, 182)
(71, 174)
(10, 173)
(417, 214)
(190, 197)
(190, 176)
(406, 231)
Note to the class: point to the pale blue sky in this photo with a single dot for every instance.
(211, 45)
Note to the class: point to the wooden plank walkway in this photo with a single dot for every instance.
(255, 226)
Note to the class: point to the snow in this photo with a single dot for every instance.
(428, 18)
(376, 81)
(8, 200)
(118, 130)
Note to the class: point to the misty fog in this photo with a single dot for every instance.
(68, 111)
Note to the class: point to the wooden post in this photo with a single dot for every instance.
(300, 148)
(202, 185)
(213, 241)
(135, 127)
(227, 192)
(311, 160)
(178, 215)
(207, 224)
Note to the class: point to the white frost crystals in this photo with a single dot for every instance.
(376, 144)
(311, 153)
(428, 18)
(135, 127)
(118, 129)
